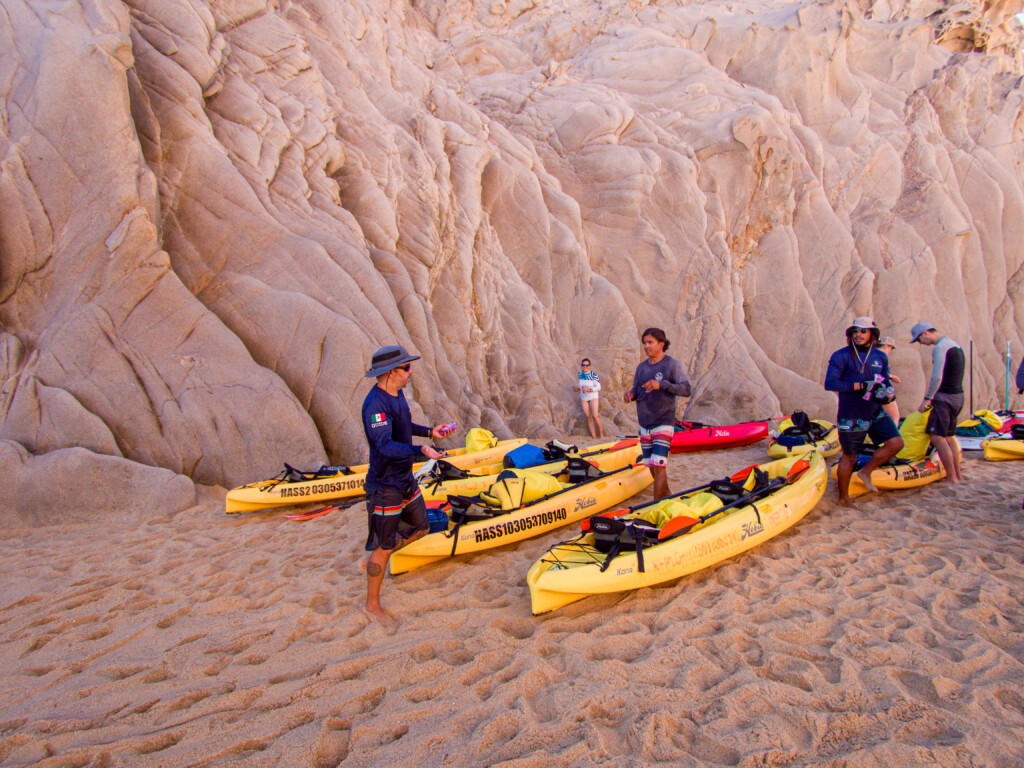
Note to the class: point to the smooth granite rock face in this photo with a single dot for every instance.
(211, 213)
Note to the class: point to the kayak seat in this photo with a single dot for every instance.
(732, 489)
(293, 475)
(581, 470)
(612, 534)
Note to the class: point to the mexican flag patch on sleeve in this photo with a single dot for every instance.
(378, 418)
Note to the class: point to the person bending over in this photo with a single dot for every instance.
(944, 395)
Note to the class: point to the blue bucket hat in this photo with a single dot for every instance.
(387, 359)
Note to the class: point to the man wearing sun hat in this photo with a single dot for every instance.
(944, 395)
(859, 373)
(396, 513)
(887, 344)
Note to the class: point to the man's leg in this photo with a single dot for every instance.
(882, 455)
(375, 567)
(954, 448)
(660, 475)
(843, 473)
(948, 456)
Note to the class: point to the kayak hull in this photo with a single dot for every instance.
(1000, 449)
(828, 446)
(267, 494)
(606, 461)
(897, 477)
(568, 572)
(710, 438)
(570, 506)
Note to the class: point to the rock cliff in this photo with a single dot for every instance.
(211, 214)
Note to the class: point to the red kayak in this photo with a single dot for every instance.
(693, 436)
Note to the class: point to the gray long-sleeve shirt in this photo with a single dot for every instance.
(947, 369)
(659, 405)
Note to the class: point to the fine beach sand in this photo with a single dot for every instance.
(890, 635)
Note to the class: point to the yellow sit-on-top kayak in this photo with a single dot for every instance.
(442, 483)
(895, 477)
(508, 515)
(673, 537)
(332, 483)
(799, 434)
(1002, 449)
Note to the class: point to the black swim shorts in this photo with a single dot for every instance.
(392, 516)
(853, 433)
(942, 419)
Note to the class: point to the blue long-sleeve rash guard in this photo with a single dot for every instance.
(845, 369)
(387, 423)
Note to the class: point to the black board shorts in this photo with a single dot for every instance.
(853, 432)
(942, 419)
(393, 515)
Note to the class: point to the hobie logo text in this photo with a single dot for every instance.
(584, 503)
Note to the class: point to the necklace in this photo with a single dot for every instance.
(861, 363)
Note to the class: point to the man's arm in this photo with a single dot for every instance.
(938, 366)
(833, 376)
(677, 384)
(633, 392)
(379, 433)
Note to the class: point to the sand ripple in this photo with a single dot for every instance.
(889, 635)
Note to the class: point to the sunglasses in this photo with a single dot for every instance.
(405, 367)
(860, 330)
(585, 365)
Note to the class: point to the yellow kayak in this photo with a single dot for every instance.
(895, 477)
(683, 535)
(329, 484)
(604, 456)
(567, 505)
(784, 446)
(1002, 449)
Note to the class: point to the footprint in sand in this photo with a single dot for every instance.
(322, 603)
(332, 743)
(518, 628)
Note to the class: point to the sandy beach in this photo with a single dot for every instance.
(890, 635)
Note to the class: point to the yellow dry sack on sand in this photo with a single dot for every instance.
(479, 439)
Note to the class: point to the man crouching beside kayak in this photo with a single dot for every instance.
(859, 373)
(396, 513)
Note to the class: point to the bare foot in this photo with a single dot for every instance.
(380, 616)
(848, 503)
(866, 479)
